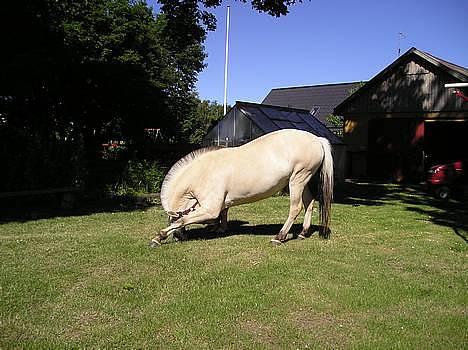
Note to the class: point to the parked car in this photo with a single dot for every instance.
(447, 179)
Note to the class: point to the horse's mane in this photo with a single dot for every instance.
(176, 169)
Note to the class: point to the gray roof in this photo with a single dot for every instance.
(271, 118)
(320, 99)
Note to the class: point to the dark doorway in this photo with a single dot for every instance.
(445, 141)
(396, 149)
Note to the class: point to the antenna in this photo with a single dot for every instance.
(226, 60)
(401, 36)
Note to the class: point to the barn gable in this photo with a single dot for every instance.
(413, 83)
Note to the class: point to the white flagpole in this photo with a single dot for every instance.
(226, 61)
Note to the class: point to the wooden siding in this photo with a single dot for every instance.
(414, 86)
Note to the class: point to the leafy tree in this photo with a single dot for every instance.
(203, 118)
(275, 8)
(76, 73)
(79, 72)
(335, 120)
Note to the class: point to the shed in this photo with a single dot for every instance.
(404, 119)
(246, 121)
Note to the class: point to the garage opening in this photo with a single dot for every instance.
(396, 149)
(445, 141)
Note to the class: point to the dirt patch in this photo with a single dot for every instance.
(86, 321)
(328, 330)
(263, 334)
(309, 321)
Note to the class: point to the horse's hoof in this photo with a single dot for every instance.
(154, 244)
(301, 236)
(276, 242)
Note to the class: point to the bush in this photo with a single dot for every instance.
(140, 176)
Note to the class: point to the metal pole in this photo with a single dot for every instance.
(401, 36)
(226, 60)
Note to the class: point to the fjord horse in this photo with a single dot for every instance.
(203, 185)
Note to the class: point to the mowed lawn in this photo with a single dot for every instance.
(392, 275)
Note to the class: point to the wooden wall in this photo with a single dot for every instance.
(414, 86)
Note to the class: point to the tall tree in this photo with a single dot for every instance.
(201, 120)
(76, 73)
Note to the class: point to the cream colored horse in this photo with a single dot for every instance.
(201, 187)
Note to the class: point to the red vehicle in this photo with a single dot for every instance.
(447, 179)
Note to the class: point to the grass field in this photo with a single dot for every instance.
(392, 275)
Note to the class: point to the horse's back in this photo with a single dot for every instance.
(279, 152)
(297, 146)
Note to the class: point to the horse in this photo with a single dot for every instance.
(202, 186)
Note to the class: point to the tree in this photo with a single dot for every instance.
(79, 72)
(276, 8)
(76, 73)
(201, 120)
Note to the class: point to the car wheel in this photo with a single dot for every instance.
(443, 192)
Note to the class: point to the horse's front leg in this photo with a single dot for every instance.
(224, 220)
(220, 225)
(197, 216)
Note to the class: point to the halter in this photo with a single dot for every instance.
(185, 212)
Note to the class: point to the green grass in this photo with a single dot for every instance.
(393, 275)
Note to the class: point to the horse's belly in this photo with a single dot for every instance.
(243, 194)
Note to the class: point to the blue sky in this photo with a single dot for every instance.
(323, 41)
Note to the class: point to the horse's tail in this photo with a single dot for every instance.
(326, 184)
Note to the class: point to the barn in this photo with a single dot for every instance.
(404, 119)
(246, 121)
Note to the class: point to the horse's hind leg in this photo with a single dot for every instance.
(308, 201)
(295, 206)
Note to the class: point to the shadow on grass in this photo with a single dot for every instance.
(237, 227)
(46, 207)
(451, 213)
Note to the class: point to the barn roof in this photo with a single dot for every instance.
(319, 99)
(271, 118)
(457, 72)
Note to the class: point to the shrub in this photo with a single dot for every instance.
(140, 176)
